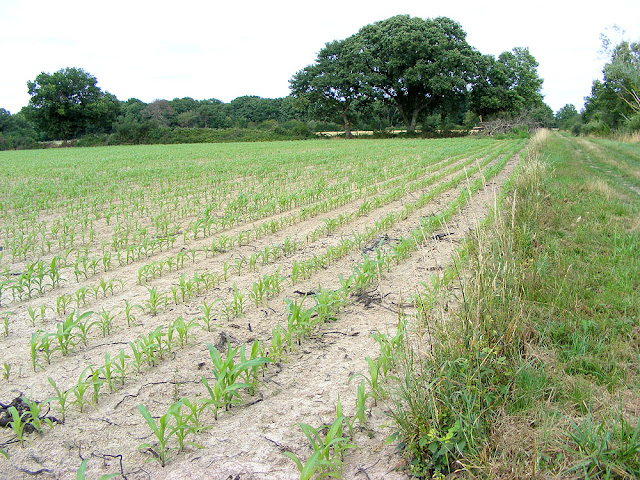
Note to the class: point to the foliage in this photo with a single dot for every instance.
(163, 432)
(422, 66)
(16, 132)
(69, 103)
(328, 450)
(507, 85)
(567, 117)
(332, 86)
(622, 74)
(614, 102)
(399, 71)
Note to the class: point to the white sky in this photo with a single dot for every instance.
(225, 49)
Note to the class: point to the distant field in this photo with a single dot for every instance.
(125, 271)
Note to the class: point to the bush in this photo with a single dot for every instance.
(576, 129)
(95, 140)
(633, 124)
(13, 141)
(597, 128)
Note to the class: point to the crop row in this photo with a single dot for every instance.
(30, 235)
(83, 266)
(74, 330)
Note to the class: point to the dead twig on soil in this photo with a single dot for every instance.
(363, 470)
(104, 457)
(37, 472)
(281, 447)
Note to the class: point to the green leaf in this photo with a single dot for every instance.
(147, 416)
(81, 470)
(392, 438)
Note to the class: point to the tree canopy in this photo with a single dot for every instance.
(420, 66)
(400, 71)
(614, 101)
(507, 85)
(622, 74)
(332, 86)
(567, 116)
(69, 102)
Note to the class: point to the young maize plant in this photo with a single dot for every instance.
(195, 416)
(156, 301)
(361, 406)
(80, 389)
(105, 320)
(374, 379)
(299, 320)
(120, 367)
(328, 303)
(226, 389)
(280, 342)
(163, 432)
(328, 451)
(18, 424)
(208, 313)
(128, 315)
(60, 397)
(250, 374)
(35, 420)
(81, 473)
(184, 427)
(5, 323)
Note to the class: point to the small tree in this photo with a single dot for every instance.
(622, 74)
(69, 103)
(567, 117)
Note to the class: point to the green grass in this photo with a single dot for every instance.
(546, 333)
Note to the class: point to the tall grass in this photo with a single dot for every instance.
(534, 372)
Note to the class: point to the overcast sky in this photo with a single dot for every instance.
(225, 49)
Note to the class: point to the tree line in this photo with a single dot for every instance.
(614, 102)
(409, 72)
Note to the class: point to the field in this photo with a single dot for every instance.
(233, 292)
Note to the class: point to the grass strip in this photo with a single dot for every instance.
(535, 372)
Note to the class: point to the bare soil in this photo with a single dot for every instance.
(247, 441)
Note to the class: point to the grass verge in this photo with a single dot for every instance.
(526, 363)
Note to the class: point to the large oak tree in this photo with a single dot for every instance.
(423, 66)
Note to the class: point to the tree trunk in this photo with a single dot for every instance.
(414, 120)
(403, 114)
(347, 125)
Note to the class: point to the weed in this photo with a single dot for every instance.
(605, 451)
